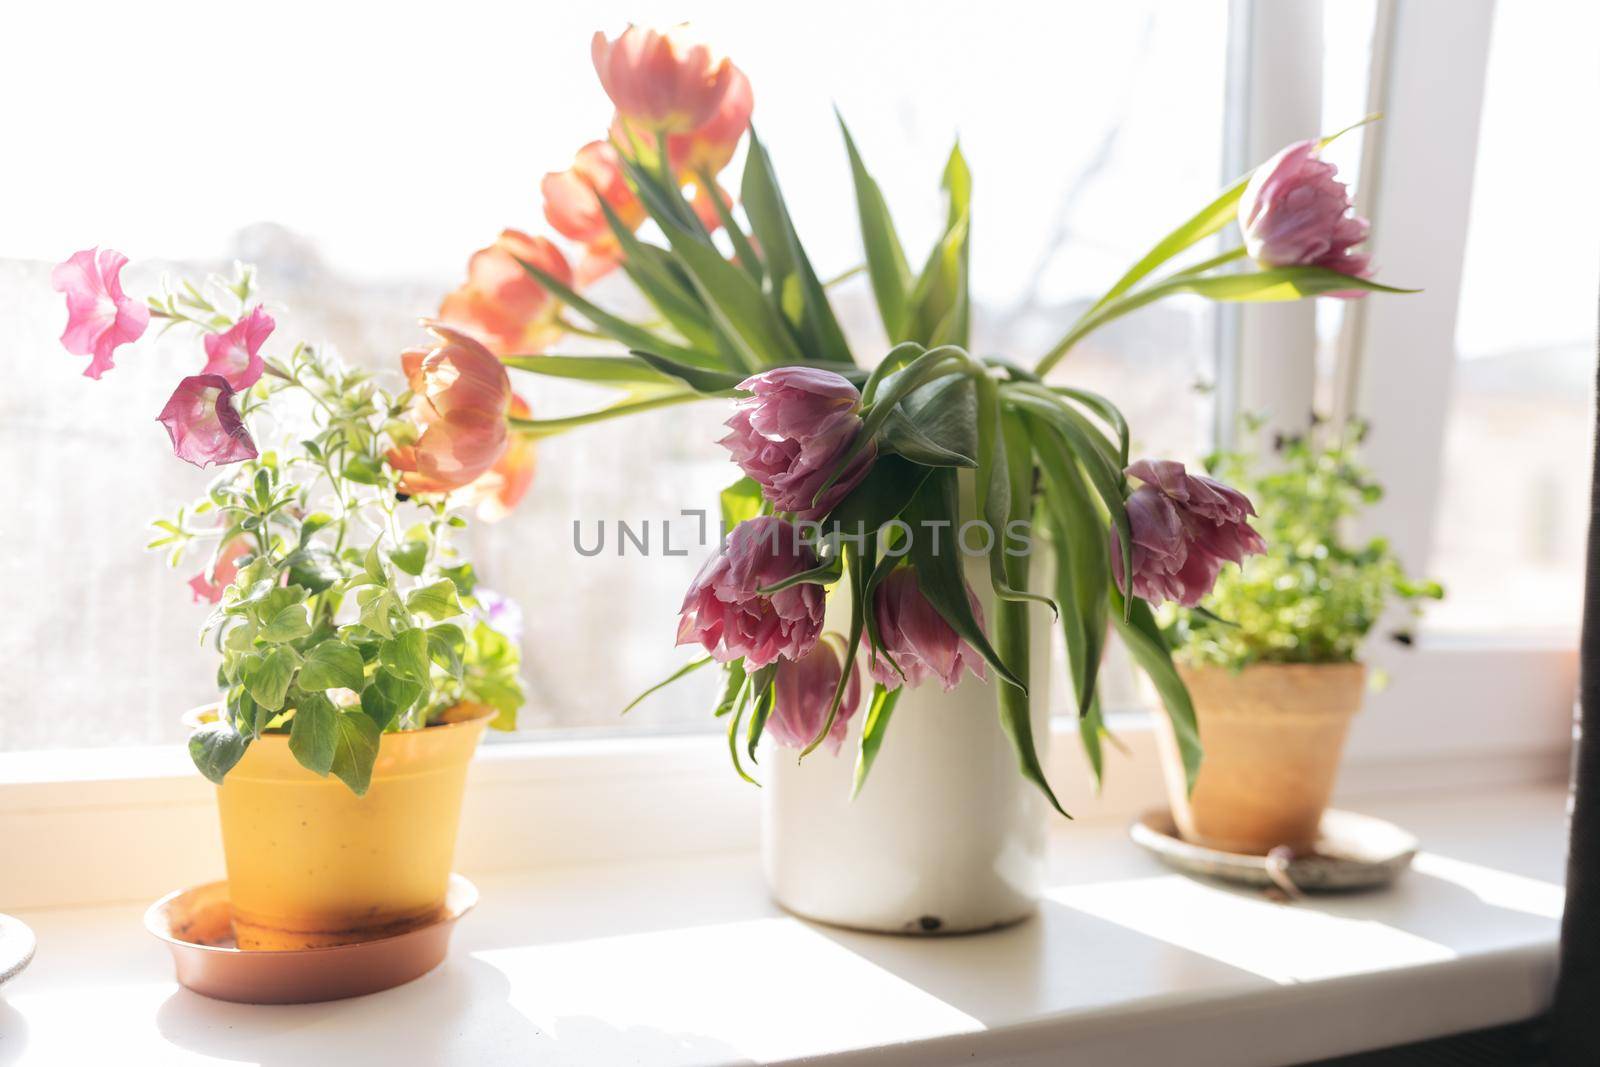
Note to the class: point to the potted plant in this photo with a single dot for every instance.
(907, 521)
(357, 663)
(1274, 667)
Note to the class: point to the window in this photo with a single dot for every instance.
(1513, 507)
(359, 162)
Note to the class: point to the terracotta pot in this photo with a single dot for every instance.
(310, 864)
(1273, 735)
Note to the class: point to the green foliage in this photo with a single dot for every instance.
(343, 621)
(1314, 596)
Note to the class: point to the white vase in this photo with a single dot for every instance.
(946, 835)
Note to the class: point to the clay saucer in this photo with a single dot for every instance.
(1352, 852)
(197, 926)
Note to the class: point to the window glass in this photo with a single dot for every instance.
(1513, 503)
(359, 160)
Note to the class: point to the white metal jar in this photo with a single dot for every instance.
(946, 835)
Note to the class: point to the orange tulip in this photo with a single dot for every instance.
(664, 81)
(460, 398)
(709, 147)
(501, 304)
(498, 492)
(572, 205)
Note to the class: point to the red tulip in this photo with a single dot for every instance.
(662, 81)
(461, 396)
(504, 306)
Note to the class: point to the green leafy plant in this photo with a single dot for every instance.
(1313, 596)
(350, 614)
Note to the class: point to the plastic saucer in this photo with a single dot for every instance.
(197, 925)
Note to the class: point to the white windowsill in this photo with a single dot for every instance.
(685, 961)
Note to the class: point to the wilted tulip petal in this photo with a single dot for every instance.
(460, 398)
(99, 316)
(235, 354)
(1295, 212)
(209, 585)
(803, 692)
(204, 425)
(504, 306)
(725, 613)
(790, 433)
(916, 637)
(1185, 527)
(661, 80)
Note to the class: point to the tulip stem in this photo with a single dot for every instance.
(550, 427)
(1102, 313)
(844, 276)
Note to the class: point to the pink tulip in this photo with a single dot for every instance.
(724, 611)
(498, 491)
(99, 316)
(460, 398)
(792, 431)
(1185, 527)
(235, 355)
(804, 692)
(663, 81)
(572, 206)
(209, 584)
(1295, 212)
(504, 306)
(204, 425)
(916, 637)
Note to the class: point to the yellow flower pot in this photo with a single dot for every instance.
(1273, 735)
(311, 864)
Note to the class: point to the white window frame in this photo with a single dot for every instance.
(1484, 711)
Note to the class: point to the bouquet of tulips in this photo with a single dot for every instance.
(339, 609)
(874, 478)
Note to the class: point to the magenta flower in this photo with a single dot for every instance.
(1185, 527)
(1295, 212)
(916, 637)
(235, 355)
(792, 431)
(99, 316)
(725, 613)
(804, 691)
(204, 425)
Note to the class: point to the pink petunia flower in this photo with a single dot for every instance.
(99, 315)
(209, 584)
(204, 425)
(235, 355)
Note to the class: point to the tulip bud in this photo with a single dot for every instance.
(663, 81)
(1295, 212)
(916, 638)
(804, 691)
(504, 306)
(726, 614)
(790, 433)
(1185, 527)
